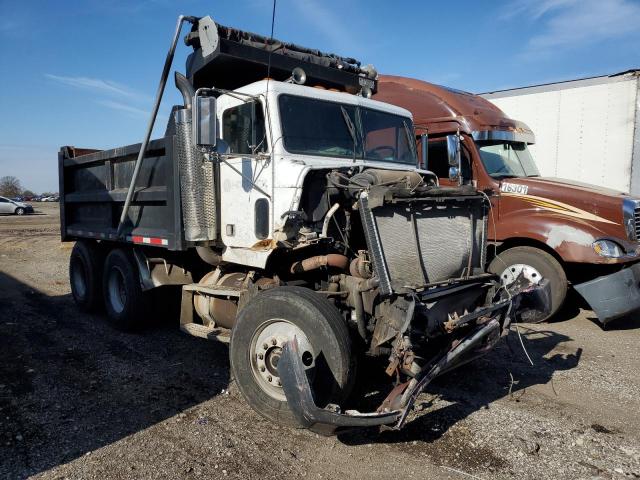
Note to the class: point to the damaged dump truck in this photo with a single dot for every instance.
(289, 208)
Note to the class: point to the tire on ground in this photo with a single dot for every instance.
(544, 263)
(19, 211)
(125, 302)
(326, 331)
(85, 275)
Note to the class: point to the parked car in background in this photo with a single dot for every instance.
(53, 198)
(12, 207)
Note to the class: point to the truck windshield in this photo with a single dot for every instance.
(318, 127)
(507, 159)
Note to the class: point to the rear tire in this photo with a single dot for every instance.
(125, 302)
(538, 264)
(85, 275)
(271, 318)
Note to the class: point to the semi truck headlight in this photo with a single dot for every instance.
(607, 248)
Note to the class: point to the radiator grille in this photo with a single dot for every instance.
(431, 242)
(636, 221)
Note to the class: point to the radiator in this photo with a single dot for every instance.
(426, 241)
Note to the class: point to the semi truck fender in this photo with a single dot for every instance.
(571, 239)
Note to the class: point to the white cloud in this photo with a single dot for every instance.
(96, 85)
(124, 107)
(568, 24)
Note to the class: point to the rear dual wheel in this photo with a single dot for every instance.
(112, 282)
(274, 317)
(125, 302)
(85, 275)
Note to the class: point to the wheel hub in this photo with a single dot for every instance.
(267, 343)
(117, 290)
(512, 272)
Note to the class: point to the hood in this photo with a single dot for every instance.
(601, 202)
(20, 204)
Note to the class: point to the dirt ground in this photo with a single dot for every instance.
(80, 400)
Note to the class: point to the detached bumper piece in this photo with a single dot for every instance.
(615, 295)
(300, 397)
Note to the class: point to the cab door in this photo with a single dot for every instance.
(246, 186)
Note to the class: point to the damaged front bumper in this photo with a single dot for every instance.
(480, 340)
(613, 296)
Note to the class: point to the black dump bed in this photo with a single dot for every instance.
(93, 188)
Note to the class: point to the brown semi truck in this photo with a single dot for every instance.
(568, 232)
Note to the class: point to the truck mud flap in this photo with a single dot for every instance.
(613, 296)
(300, 397)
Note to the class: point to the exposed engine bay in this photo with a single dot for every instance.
(402, 259)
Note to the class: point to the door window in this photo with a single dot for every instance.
(243, 128)
(439, 162)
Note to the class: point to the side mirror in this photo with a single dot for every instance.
(424, 143)
(453, 156)
(204, 121)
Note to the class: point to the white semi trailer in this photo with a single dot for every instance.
(586, 130)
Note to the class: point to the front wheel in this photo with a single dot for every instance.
(534, 264)
(19, 211)
(263, 326)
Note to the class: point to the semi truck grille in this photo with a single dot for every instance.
(424, 242)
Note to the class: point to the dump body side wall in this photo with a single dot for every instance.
(93, 188)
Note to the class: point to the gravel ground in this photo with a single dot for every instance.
(80, 400)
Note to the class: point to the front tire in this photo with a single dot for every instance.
(19, 211)
(264, 324)
(535, 264)
(124, 300)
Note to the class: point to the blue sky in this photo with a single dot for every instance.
(84, 72)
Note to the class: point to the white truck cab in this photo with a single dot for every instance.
(276, 133)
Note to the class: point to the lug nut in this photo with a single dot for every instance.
(279, 384)
(260, 356)
(273, 341)
(265, 346)
(262, 369)
(269, 378)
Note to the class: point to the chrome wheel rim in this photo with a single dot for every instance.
(266, 348)
(509, 274)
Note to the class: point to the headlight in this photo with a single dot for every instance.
(607, 248)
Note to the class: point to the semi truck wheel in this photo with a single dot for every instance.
(535, 264)
(124, 299)
(264, 324)
(85, 275)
